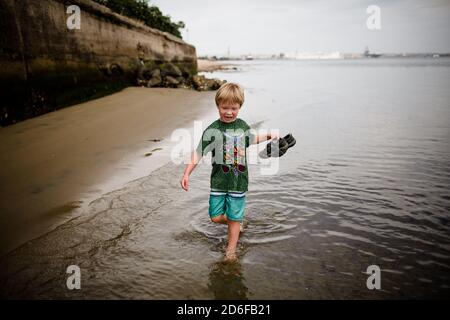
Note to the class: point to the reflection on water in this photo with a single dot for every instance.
(366, 184)
(227, 282)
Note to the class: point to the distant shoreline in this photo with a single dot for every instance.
(204, 65)
(221, 63)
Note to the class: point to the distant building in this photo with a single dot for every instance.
(315, 55)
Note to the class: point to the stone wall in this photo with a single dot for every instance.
(45, 66)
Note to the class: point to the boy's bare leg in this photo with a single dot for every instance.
(233, 236)
(220, 219)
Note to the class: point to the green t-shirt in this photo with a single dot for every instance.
(228, 143)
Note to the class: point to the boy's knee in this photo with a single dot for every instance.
(218, 219)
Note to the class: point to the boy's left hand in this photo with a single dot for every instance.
(185, 182)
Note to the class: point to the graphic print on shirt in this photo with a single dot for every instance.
(234, 152)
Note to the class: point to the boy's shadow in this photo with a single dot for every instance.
(226, 281)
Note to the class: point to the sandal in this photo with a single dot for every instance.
(290, 140)
(275, 148)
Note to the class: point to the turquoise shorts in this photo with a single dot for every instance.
(232, 204)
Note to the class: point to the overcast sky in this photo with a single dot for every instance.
(274, 26)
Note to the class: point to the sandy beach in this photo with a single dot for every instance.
(54, 164)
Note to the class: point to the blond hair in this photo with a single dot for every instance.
(230, 93)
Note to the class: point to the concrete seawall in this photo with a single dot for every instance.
(45, 66)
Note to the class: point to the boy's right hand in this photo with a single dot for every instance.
(185, 182)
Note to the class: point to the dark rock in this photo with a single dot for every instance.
(153, 82)
(198, 81)
(201, 83)
(172, 70)
(214, 84)
(185, 74)
(148, 68)
(146, 74)
(156, 79)
(156, 73)
(171, 81)
(116, 70)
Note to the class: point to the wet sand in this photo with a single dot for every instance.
(53, 165)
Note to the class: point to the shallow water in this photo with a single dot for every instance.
(366, 184)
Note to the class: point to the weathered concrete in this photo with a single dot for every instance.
(45, 66)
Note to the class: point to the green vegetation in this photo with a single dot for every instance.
(141, 10)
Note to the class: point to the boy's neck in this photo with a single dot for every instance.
(223, 122)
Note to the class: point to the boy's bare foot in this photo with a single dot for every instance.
(230, 256)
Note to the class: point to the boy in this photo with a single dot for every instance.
(227, 138)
